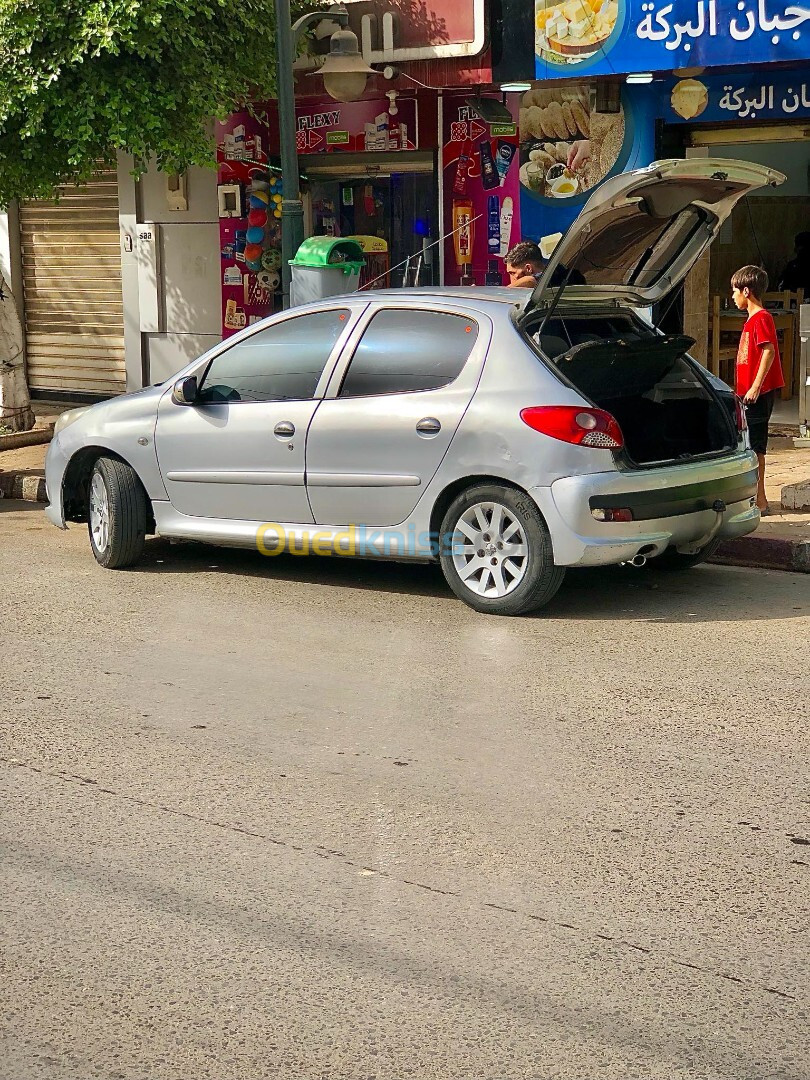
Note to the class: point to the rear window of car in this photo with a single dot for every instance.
(402, 351)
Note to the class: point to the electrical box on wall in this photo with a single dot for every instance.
(231, 201)
(177, 191)
(147, 238)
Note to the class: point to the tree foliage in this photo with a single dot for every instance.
(82, 79)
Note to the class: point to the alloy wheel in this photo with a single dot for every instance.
(99, 513)
(490, 552)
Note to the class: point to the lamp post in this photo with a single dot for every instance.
(344, 74)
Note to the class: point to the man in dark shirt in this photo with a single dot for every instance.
(524, 265)
(796, 274)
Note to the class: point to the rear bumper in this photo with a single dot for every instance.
(671, 507)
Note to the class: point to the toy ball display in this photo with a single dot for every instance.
(269, 280)
(253, 253)
(259, 200)
(257, 218)
(271, 259)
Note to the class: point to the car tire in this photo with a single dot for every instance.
(676, 560)
(502, 562)
(116, 514)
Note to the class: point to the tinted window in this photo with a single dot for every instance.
(283, 362)
(409, 350)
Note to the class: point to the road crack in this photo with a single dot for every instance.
(323, 852)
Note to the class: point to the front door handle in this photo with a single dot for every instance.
(428, 425)
(284, 429)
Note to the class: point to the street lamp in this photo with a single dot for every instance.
(344, 73)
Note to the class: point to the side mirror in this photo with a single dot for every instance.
(185, 391)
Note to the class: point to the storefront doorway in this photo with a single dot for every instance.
(762, 230)
(390, 206)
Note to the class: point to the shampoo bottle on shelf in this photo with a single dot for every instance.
(489, 174)
(463, 168)
(493, 276)
(463, 231)
(493, 225)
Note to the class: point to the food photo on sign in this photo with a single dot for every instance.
(610, 37)
(567, 146)
(572, 140)
(570, 32)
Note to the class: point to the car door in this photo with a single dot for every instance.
(391, 410)
(237, 452)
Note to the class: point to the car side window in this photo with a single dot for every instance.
(281, 363)
(403, 350)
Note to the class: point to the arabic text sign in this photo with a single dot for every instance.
(649, 35)
(729, 97)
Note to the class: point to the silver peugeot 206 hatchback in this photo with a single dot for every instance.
(508, 435)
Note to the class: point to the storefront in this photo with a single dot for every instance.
(369, 168)
(632, 81)
(760, 116)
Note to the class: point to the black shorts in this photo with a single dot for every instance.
(758, 415)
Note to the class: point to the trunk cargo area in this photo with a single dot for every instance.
(665, 409)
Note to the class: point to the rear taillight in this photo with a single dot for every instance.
(742, 419)
(572, 424)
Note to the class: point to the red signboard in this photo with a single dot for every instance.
(357, 127)
(401, 30)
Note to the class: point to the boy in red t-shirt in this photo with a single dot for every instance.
(759, 369)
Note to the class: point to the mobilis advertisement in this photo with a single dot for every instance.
(481, 195)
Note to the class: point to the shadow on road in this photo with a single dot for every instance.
(18, 506)
(703, 594)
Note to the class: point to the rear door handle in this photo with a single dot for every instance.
(428, 425)
(284, 429)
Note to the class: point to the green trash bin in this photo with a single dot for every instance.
(325, 266)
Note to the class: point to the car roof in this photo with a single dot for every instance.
(498, 294)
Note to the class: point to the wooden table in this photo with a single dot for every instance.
(731, 321)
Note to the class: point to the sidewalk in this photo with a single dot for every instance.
(782, 541)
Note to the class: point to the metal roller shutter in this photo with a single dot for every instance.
(74, 315)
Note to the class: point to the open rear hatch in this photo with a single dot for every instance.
(641, 232)
(634, 242)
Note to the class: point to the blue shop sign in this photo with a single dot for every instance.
(607, 37)
(720, 98)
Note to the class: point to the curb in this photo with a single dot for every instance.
(22, 485)
(768, 553)
(35, 437)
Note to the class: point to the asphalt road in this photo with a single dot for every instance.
(317, 819)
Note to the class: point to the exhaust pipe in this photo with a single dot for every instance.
(638, 560)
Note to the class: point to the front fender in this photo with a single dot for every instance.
(122, 426)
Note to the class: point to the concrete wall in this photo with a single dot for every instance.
(171, 282)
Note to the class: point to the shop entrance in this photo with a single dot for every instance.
(390, 207)
(762, 230)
